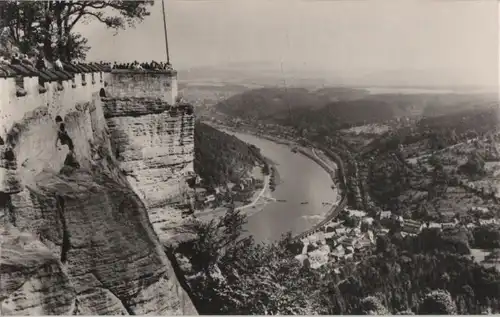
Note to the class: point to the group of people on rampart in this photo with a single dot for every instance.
(153, 65)
(41, 63)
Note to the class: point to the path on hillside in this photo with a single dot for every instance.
(266, 184)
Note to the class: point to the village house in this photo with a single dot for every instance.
(348, 242)
(341, 239)
(341, 230)
(367, 220)
(485, 222)
(362, 244)
(356, 213)
(412, 227)
(247, 181)
(448, 225)
(209, 198)
(338, 251)
(386, 218)
(483, 210)
(470, 226)
(434, 225)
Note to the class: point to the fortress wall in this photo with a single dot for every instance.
(58, 101)
(140, 84)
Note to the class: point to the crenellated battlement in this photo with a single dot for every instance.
(24, 88)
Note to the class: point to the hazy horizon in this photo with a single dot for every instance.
(392, 42)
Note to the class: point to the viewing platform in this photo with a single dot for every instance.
(144, 83)
(171, 72)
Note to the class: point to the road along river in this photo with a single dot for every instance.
(303, 197)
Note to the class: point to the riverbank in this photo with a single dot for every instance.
(331, 167)
(259, 202)
(259, 198)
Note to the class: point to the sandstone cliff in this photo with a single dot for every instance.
(76, 239)
(154, 143)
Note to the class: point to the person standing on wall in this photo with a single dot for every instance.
(62, 135)
(40, 63)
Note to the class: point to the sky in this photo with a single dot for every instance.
(421, 41)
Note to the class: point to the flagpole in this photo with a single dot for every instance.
(165, 30)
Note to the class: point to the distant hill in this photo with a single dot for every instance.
(275, 102)
(345, 106)
(265, 102)
(343, 114)
(220, 157)
(341, 93)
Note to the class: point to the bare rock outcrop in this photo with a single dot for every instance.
(33, 281)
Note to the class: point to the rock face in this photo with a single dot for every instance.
(154, 143)
(75, 238)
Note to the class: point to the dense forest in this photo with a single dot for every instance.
(427, 274)
(220, 157)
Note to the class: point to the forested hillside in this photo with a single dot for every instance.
(347, 105)
(220, 157)
(270, 102)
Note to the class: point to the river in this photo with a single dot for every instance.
(301, 180)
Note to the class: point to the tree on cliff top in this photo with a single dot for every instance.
(50, 24)
(214, 237)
